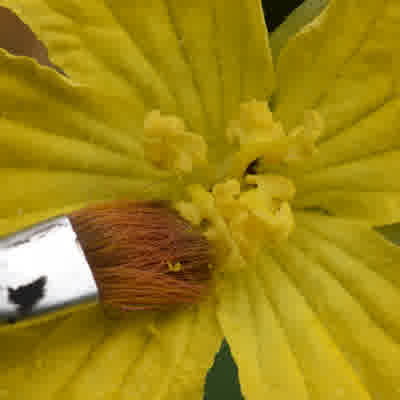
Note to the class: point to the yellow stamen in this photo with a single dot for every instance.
(241, 221)
(168, 145)
(302, 138)
(243, 213)
(260, 137)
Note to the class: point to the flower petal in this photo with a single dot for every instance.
(348, 276)
(376, 133)
(16, 349)
(30, 190)
(295, 21)
(88, 356)
(188, 58)
(368, 188)
(357, 145)
(175, 364)
(358, 239)
(276, 337)
(326, 372)
(336, 306)
(267, 366)
(42, 99)
(346, 62)
(375, 208)
(23, 219)
(57, 147)
(347, 71)
(88, 44)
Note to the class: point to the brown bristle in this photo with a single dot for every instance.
(130, 247)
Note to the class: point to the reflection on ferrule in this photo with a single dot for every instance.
(43, 269)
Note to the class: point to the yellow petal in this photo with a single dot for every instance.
(257, 76)
(244, 58)
(380, 297)
(23, 219)
(103, 372)
(23, 146)
(267, 365)
(196, 60)
(373, 174)
(42, 99)
(300, 16)
(87, 356)
(375, 208)
(353, 149)
(58, 148)
(368, 188)
(348, 275)
(75, 32)
(15, 357)
(346, 63)
(376, 133)
(28, 190)
(347, 70)
(327, 373)
(359, 240)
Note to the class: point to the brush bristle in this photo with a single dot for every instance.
(131, 247)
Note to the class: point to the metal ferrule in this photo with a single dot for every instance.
(43, 270)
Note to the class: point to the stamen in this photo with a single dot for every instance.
(168, 145)
(242, 220)
(260, 137)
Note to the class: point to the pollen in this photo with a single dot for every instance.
(244, 212)
(168, 145)
(242, 217)
(302, 139)
(260, 137)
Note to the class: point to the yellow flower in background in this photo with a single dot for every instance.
(173, 100)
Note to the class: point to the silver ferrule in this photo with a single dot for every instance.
(43, 270)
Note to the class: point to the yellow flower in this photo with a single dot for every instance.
(307, 293)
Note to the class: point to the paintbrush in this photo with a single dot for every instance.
(126, 255)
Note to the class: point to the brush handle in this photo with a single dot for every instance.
(43, 270)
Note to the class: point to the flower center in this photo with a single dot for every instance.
(245, 211)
